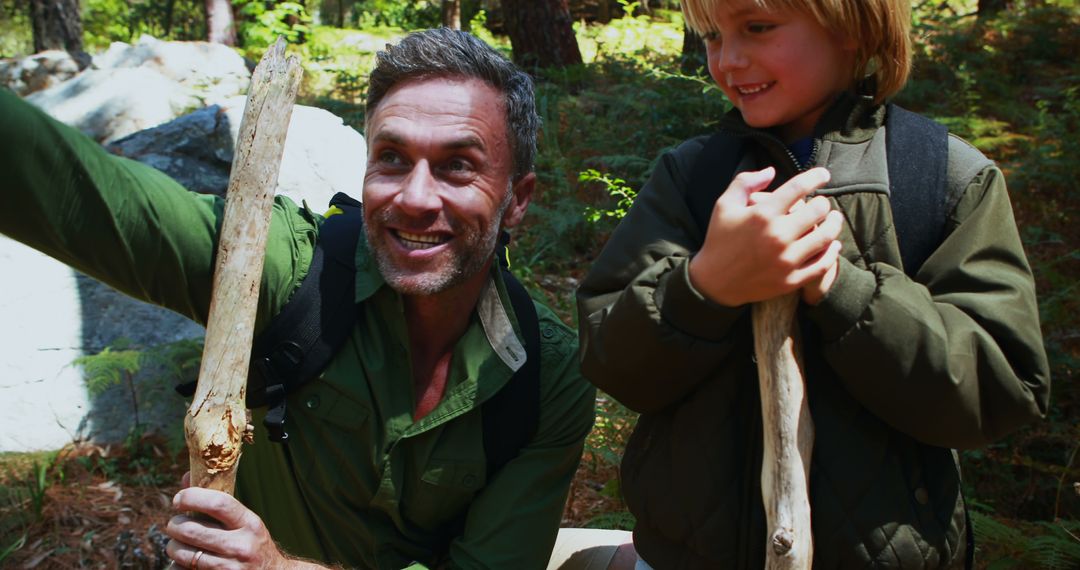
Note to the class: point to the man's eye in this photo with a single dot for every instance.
(458, 166)
(390, 157)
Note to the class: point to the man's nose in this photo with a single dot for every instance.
(419, 191)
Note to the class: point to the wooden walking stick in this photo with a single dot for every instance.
(217, 420)
(788, 434)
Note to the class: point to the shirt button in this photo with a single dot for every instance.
(312, 402)
(549, 332)
(922, 496)
(468, 480)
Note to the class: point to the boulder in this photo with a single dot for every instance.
(39, 71)
(130, 88)
(103, 103)
(322, 156)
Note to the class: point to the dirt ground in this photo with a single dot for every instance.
(102, 507)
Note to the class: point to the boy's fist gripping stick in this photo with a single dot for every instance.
(767, 247)
(217, 421)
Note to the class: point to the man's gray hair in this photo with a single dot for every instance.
(443, 52)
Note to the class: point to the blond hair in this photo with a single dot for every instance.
(880, 30)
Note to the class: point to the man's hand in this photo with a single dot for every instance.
(762, 245)
(235, 537)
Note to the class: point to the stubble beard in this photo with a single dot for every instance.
(475, 248)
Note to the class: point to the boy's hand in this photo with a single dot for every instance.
(762, 245)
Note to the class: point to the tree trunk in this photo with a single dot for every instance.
(220, 27)
(451, 14)
(693, 52)
(217, 421)
(989, 8)
(541, 33)
(603, 11)
(57, 24)
(170, 7)
(788, 434)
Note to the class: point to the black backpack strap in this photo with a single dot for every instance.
(304, 336)
(917, 150)
(713, 169)
(511, 416)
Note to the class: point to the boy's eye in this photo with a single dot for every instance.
(759, 28)
(711, 36)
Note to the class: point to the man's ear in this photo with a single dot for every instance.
(522, 192)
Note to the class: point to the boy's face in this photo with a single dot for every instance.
(781, 68)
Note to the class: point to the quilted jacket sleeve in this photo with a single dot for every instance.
(955, 356)
(647, 336)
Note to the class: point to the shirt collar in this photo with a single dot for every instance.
(491, 308)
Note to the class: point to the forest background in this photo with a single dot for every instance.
(618, 82)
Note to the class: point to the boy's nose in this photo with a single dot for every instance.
(732, 56)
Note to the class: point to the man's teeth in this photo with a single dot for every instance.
(419, 241)
(753, 89)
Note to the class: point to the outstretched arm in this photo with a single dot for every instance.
(125, 223)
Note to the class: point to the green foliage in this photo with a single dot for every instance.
(168, 364)
(107, 21)
(23, 495)
(263, 22)
(406, 15)
(110, 366)
(13, 547)
(140, 463)
(618, 520)
(15, 38)
(614, 116)
(616, 188)
(612, 429)
(640, 37)
(1020, 545)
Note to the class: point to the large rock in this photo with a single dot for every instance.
(39, 71)
(322, 155)
(103, 103)
(132, 88)
(213, 71)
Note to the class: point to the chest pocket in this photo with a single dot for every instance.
(442, 492)
(332, 442)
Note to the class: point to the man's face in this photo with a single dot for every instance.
(438, 183)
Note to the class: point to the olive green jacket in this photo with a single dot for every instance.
(899, 370)
(359, 482)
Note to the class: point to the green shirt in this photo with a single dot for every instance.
(359, 483)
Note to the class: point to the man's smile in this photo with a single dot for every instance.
(419, 241)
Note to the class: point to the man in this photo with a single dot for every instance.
(385, 464)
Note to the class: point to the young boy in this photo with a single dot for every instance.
(901, 368)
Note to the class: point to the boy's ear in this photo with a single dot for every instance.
(522, 192)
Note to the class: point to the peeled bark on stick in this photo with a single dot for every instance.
(788, 434)
(216, 422)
